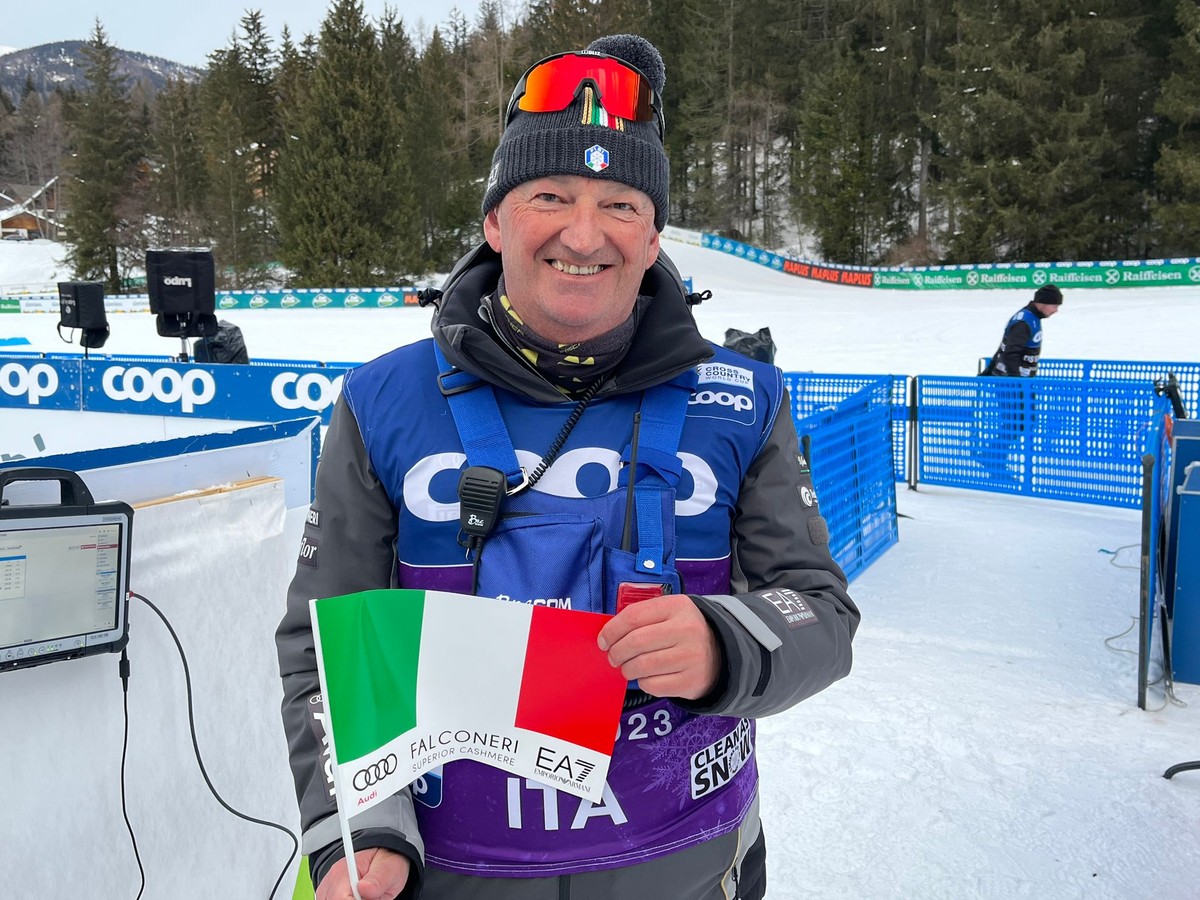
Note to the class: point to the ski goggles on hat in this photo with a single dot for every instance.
(553, 84)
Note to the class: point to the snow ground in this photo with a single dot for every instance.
(988, 743)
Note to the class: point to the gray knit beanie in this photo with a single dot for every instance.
(535, 145)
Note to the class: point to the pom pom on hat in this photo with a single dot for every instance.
(535, 145)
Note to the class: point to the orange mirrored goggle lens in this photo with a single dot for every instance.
(552, 84)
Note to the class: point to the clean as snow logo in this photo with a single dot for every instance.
(716, 765)
(289, 301)
(353, 300)
(258, 301)
(36, 382)
(227, 302)
(137, 384)
(386, 300)
(595, 158)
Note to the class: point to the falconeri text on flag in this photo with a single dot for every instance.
(415, 679)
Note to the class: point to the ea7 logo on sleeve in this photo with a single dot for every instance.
(794, 608)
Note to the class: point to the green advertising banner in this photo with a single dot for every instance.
(341, 298)
(1152, 273)
(1184, 272)
(10, 305)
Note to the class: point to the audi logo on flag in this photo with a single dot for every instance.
(375, 773)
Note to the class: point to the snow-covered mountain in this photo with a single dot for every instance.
(62, 64)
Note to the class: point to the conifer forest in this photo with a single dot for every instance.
(860, 132)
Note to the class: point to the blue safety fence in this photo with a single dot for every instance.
(1187, 374)
(812, 392)
(849, 445)
(1057, 438)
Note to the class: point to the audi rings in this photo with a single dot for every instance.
(375, 773)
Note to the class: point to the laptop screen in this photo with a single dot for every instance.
(63, 586)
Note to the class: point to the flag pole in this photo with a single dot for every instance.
(338, 793)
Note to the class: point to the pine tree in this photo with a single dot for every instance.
(262, 127)
(340, 207)
(242, 132)
(420, 121)
(103, 169)
(1040, 143)
(181, 184)
(435, 141)
(231, 209)
(1178, 168)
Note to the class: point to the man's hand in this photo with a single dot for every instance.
(666, 644)
(382, 875)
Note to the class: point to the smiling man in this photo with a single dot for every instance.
(569, 427)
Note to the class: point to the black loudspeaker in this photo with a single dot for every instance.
(181, 282)
(81, 305)
(186, 325)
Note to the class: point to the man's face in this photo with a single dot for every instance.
(574, 251)
(1048, 309)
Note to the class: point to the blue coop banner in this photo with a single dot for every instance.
(33, 382)
(245, 393)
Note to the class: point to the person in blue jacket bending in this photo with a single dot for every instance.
(1019, 350)
(644, 472)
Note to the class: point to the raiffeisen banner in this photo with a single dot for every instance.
(1177, 272)
(1183, 272)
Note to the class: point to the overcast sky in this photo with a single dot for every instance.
(188, 32)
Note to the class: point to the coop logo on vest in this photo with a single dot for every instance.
(715, 403)
(309, 391)
(137, 384)
(560, 480)
(36, 382)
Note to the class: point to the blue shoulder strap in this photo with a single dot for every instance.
(477, 418)
(663, 411)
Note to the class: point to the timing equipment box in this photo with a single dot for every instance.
(64, 573)
(181, 282)
(81, 305)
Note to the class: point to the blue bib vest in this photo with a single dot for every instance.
(1033, 346)
(677, 779)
